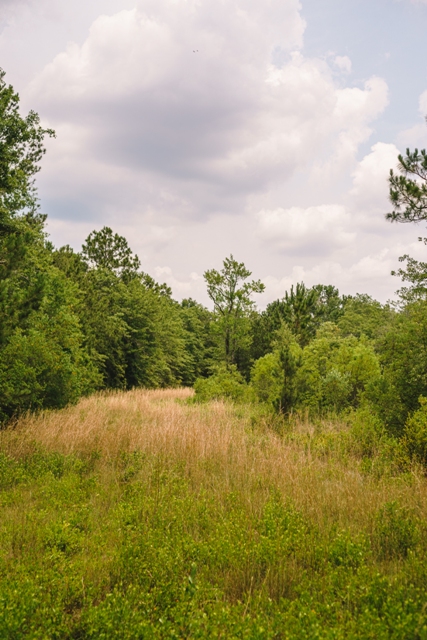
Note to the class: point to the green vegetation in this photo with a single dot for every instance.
(78, 322)
(284, 496)
(141, 515)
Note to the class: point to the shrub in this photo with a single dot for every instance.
(366, 432)
(224, 383)
(396, 532)
(266, 378)
(415, 434)
(336, 389)
(335, 371)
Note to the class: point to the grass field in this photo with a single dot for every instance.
(145, 515)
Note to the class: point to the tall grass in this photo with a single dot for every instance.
(207, 519)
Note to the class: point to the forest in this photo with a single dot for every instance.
(73, 323)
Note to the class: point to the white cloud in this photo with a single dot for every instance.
(193, 134)
(194, 286)
(343, 63)
(416, 136)
(423, 101)
(349, 243)
(315, 229)
(372, 272)
(246, 145)
(370, 178)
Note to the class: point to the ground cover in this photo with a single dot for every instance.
(145, 515)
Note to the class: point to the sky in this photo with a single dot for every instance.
(203, 128)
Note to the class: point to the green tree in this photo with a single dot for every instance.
(199, 342)
(134, 331)
(266, 379)
(299, 310)
(43, 362)
(289, 357)
(231, 296)
(335, 370)
(416, 275)
(403, 354)
(107, 250)
(365, 316)
(408, 195)
(408, 188)
(21, 226)
(330, 305)
(273, 376)
(302, 309)
(21, 149)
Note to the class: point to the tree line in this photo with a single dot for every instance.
(74, 322)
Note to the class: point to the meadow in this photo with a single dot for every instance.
(144, 514)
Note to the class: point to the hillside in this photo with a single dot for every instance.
(146, 515)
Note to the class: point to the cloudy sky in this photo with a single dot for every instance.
(200, 128)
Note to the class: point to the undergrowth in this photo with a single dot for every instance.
(137, 516)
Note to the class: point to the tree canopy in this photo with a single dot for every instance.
(231, 295)
(408, 189)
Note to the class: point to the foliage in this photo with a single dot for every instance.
(266, 379)
(231, 297)
(364, 316)
(396, 531)
(226, 382)
(403, 353)
(43, 359)
(367, 433)
(415, 433)
(408, 189)
(330, 304)
(141, 544)
(303, 310)
(331, 373)
(105, 250)
(135, 333)
(289, 357)
(199, 342)
(408, 195)
(298, 312)
(416, 274)
(21, 149)
(45, 366)
(335, 370)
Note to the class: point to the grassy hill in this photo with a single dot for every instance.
(145, 515)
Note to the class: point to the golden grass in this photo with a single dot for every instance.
(219, 450)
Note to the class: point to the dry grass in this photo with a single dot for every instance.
(220, 450)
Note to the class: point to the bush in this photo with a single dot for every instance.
(366, 433)
(335, 371)
(415, 434)
(266, 379)
(224, 383)
(396, 532)
(45, 367)
(336, 389)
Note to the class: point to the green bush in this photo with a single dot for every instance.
(336, 389)
(396, 532)
(266, 379)
(415, 434)
(366, 432)
(226, 383)
(44, 367)
(335, 371)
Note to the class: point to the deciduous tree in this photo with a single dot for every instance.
(231, 296)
